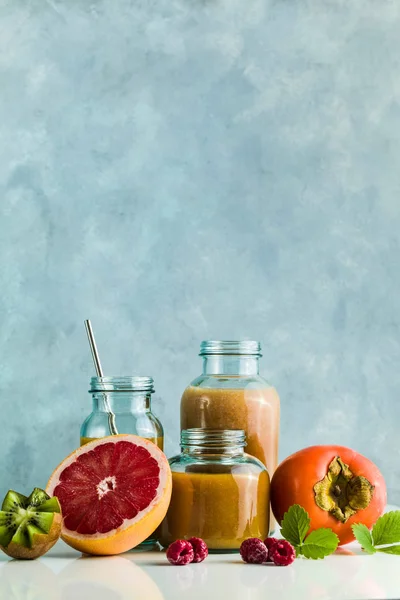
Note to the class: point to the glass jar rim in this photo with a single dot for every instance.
(121, 384)
(213, 439)
(238, 347)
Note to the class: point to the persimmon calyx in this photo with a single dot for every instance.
(341, 493)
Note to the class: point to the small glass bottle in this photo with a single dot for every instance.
(129, 398)
(219, 493)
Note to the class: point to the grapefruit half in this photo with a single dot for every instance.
(114, 492)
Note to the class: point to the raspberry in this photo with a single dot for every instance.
(199, 548)
(180, 553)
(254, 551)
(282, 553)
(269, 542)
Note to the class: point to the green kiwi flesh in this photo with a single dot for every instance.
(22, 517)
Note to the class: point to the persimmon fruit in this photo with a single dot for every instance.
(336, 485)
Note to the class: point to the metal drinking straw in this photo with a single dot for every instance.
(99, 371)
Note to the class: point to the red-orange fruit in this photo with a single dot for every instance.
(337, 486)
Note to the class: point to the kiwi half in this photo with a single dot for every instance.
(29, 526)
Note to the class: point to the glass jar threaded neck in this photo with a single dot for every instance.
(122, 384)
(230, 357)
(230, 347)
(213, 441)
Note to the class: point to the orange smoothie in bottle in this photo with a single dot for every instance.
(256, 411)
(219, 493)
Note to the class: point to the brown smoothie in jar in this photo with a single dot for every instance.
(223, 509)
(256, 411)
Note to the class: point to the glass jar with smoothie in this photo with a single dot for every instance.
(219, 493)
(231, 394)
(129, 399)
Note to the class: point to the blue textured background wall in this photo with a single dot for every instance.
(181, 170)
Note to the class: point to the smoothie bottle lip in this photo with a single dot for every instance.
(230, 347)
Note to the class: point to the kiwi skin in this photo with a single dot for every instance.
(42, 542)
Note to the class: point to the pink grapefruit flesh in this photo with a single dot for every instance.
(113, 492)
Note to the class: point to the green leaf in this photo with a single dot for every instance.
(390, 549)
(298, 550)
(320, 543)
(363, 537)
(387, 529)
(295, 524)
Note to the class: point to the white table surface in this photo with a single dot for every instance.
(64, 574)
